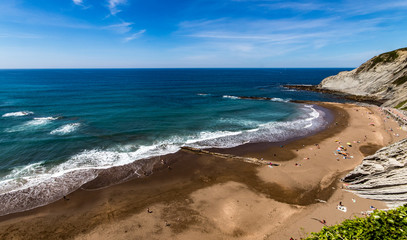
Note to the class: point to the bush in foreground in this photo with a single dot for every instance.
(391, 224)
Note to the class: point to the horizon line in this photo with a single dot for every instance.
(130, 68)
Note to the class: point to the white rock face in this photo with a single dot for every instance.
(374, 78)
(382, 176)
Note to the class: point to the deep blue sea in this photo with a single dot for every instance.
(58, 127)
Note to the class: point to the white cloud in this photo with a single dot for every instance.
(134, 36)
(78, 2)
(121, 28)
(113, 6)
(295, 6)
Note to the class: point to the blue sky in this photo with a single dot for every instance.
(197, 33)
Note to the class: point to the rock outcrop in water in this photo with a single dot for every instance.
(384, 77)
(382, 176)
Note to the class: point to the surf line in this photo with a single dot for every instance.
(251, 160)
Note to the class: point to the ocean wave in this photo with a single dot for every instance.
(269, 132)
(280, 100)
(34, 185)
(66, 129)
(34, 191)
(32, 124)
(274, 99)
(46, 118)
(246, 123)
(230, 97)
(206, 136)
(203, 94)
(17, 114)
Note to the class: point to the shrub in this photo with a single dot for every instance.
(383, 225)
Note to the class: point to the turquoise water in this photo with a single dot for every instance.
(59, 127)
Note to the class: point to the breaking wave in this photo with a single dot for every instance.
(256, 98)
(32, 124)
(36, 185)
(66, 129)
(230, 97)
(18, 114)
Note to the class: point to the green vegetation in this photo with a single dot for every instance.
(382, 225)
(401, 104)
(400, 80)
(384, 58)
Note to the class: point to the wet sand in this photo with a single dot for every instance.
(202, 196)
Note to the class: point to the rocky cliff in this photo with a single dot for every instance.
(384, 77)
(382, 176)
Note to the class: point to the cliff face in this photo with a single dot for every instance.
(383, 77)
(382, 176)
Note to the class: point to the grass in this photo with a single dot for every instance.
(401, 104)
(384, 225)
(383, 58)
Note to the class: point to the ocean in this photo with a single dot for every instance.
(59, 127)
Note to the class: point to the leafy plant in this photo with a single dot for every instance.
(383, 225)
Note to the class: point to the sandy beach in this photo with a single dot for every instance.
(204, 197)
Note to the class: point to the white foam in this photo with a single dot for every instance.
(17, 114)
(205, 136)
(271, 99)
(279, 100)
(230, 97)
(38, 190)
(65, 129)
(246, 123)
(46, 118)
(309, 121)
(203, 94)
(32, 124)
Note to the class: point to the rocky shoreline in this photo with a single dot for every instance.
(316, 88)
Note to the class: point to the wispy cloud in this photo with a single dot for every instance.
(354, 8)
(346, 8)
(121, 28)
(78, 2)
(308, 6)
(134, 36)
(265, 39)
(21, 36)
(113, 6)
